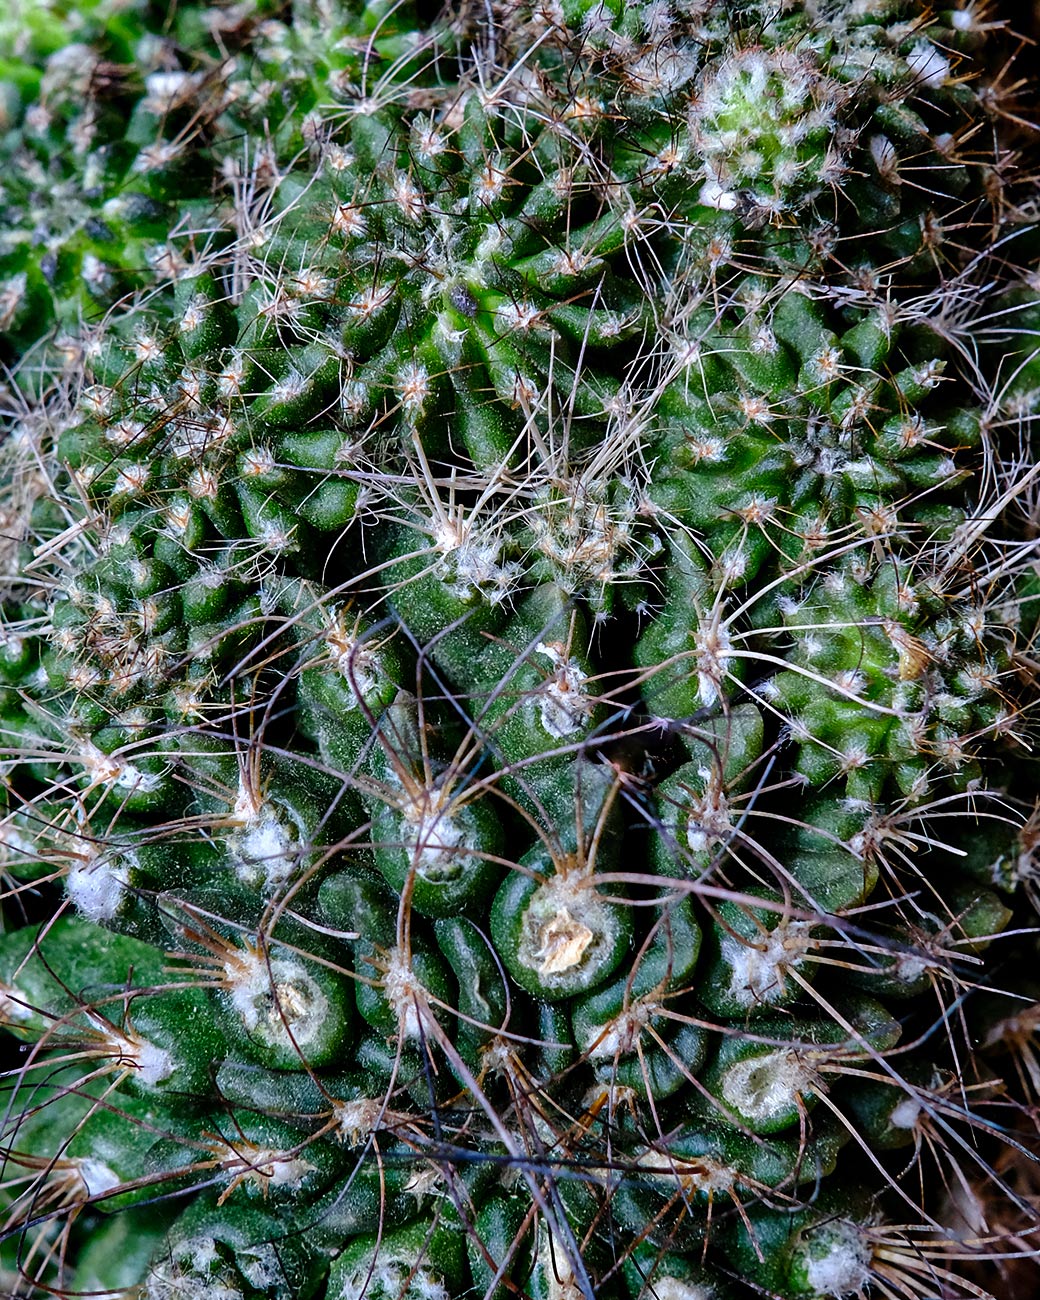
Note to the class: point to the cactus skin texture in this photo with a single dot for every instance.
(516, 678)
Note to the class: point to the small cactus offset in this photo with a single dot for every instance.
(517, 680)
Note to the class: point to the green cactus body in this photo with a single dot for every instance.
(516, 677)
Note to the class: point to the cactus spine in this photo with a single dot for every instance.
(516, 689)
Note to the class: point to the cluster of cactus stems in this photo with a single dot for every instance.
(518, 587)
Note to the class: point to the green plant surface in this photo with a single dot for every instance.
(517, 688)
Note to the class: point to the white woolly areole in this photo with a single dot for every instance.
(713, 648)
(708, 820)
(469, 564)
(356, 662)
(557, 1275)
(96, 889)
(845, 1268)
(563, 703)
(357, 1120)
(189, 1274)
(674, 1288)
(565, 925)
(264, 851)
(117, 773)
(906, 1114)
(265, 1168)
(758, 968)
(928, 64)
(715, 195)
(154, 1064)
(259, 1265)
(762, 1087)
(438, 845)
(164, 90)
(700, 1175)
(405, 993)
(909, 967)
(623, 1034)
(478, 571)
(199, 1251)
(167, 1282)
(276, 998)
(387, 1279)
(14, 1008)
(97, 1177)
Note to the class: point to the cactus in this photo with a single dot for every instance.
(104, 116)
(516, 684)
